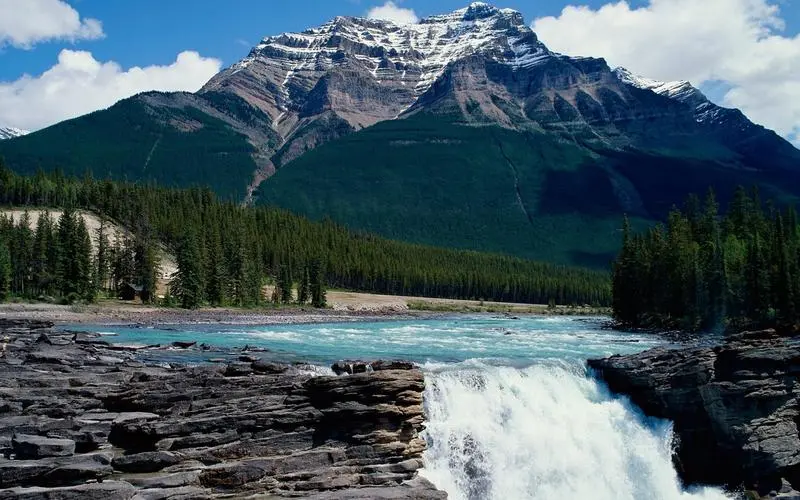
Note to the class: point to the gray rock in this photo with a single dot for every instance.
(28, 446)
(175, 480)
(181, 493)
(108, 490)
(57, 471)
(734, 407)
(151, 461)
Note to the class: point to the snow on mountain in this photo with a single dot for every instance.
(682, 91)
(419, 52)
(11, 132)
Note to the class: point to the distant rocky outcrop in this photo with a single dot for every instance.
(734, 407)
(80, 418)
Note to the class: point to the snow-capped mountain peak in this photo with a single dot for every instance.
(414, 54)
(11, 132)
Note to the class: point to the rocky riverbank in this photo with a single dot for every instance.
(735, 407)
(80, 418)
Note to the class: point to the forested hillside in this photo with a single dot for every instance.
(706, 271)
(226, 253)
(427, 180)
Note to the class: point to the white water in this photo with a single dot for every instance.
(547, 431)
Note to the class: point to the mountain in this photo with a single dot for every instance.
(11, 132)
(461, 130)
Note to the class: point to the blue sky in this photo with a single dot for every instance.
(697, 40)
(144, 32)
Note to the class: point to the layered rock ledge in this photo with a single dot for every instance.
(80, 418)
(734, 407)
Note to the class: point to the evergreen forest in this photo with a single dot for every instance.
(709, 271)
(226, 253)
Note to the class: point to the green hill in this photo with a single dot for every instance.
(179, 146)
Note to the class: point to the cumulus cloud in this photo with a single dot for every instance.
(24, 23)
(738, 42)
(390, 11)
(79, 84)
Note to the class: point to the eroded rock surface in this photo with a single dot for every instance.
(80, 418)
(734, 406)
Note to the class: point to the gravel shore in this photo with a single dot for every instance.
(118, 313)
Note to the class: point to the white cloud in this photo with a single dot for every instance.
(739, 42)
(390, 11)
(79, 84)
(24, 23)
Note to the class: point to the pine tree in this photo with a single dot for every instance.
(187, 285)
(42, 267)
(317, 279)
(5, 271)
(757, 282)
(82, 261)
(122, 267)
(284, 284)
(304, 287)
(783, 282)
(102, 260)
(625, 279)
(22, 252)
(65, 276)
(146, 267)
(215, 270)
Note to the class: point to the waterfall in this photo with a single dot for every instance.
(547, 431)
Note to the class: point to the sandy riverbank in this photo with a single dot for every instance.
(344, 306)
(117, 313)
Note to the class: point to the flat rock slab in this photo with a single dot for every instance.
(108, 490)
(149, 461)
(27, 446)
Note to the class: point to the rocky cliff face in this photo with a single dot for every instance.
(82, 419)
(352, 73)
(735, 407)
(481, 63)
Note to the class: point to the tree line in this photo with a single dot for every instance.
(226, 253)
(707, 271)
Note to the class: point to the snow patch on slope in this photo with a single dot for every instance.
(11, 132)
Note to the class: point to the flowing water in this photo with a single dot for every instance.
(511, 411)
